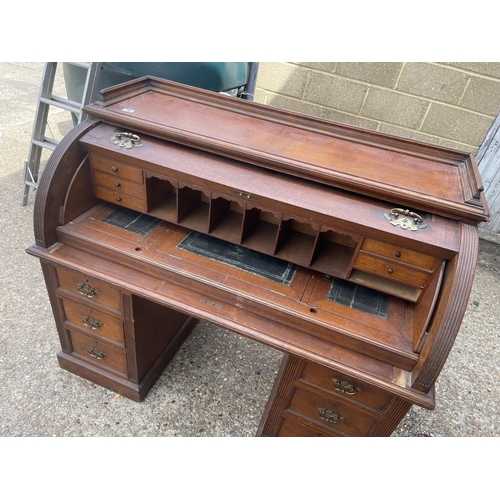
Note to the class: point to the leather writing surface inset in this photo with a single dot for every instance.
(251, 261)
(133, 221)
(359, 297)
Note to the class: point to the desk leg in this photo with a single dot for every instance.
(272, 420)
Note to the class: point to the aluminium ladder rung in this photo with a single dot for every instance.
(47, 143)
(61, 102)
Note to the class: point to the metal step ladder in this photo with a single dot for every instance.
(46, 99)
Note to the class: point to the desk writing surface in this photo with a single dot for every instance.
(301, 300)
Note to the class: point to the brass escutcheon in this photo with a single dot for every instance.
(345, 386)
(329, 416)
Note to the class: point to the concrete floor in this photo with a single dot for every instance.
(218, 383)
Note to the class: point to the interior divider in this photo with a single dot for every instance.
(303, 242)
(226, 218)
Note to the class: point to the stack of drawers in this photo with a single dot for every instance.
(93, 319)
(119, 183)
(318, 401)
(407, 267)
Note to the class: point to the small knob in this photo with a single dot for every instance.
(117, 184)
(390, 270)
(114, 169)
(118, 199)
(398, 254)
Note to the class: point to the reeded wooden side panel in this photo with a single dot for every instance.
(55, 183)
(395, 414)
(272, 419)
(449, 312)
(50, 276)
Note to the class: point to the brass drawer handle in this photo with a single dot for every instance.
(96, 353)
(92, 323)
(86, 290)
(329, 416)
(409, 220)
(126, 140)
(345, 386)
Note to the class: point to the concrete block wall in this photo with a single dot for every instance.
(450, 104)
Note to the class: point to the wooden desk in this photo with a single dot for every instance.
(176, 204)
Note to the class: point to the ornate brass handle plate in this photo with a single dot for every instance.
(410, 220)
(126, 140)
(345, 386)
(91, 323)
(86, 290)
(329, 416)
(96, 353)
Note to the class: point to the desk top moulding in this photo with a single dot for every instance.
(402, 171)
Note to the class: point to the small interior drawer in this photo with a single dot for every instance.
(119, 185)
(391, 269)
(90, 288)
(121, 199)
(116, 168)
(399, 254)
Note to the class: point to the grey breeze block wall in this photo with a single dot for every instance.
(450, 104)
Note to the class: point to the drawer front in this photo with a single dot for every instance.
(348, 387)
(328, 411)
(290, 428)
(122, 199)
(91, 288)
(93, 320)
(399, 254)
(98, 353)
(117, 169)
(118, 184)
(391, 270)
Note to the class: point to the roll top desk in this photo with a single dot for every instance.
(350, 251)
